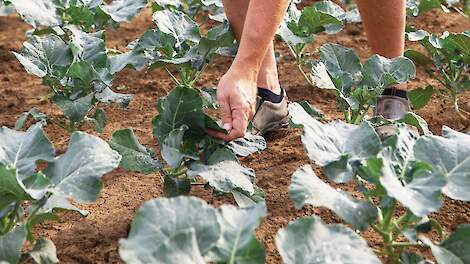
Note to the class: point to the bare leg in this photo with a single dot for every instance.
(268, 75)
(384, 22)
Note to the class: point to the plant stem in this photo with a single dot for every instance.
(406, 244)
(172, 76)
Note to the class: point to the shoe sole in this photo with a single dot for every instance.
(274, 126)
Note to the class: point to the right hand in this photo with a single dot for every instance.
(236, 94)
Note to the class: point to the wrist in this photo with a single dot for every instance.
(245, 68)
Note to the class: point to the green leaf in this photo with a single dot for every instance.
(60, 202)
(124, 10)
(313, 21)
(33, 113)
(108, 96)
(415, 120)
(307, 188)
(173, 149)
(44, 252)
(451, 154)
(37, 13)
(247, 145)
(77, 173)
(182, 106)
(461, 42)
(148, 237)
(135, 157)
(47, 55)
(178, 25)
(422, 195)
(336, 146)
(74, 110)
(420, 97)
(308, 240)
(311, 110)
(11, 244)
(22, 149)
(89, 47)
(11, 188)
(418, 58)
(238, 243)
(135, 58)
(176, 185)
(379, 71)
(99, 119)
(225, 176)
(458, 243)
(342, 64)
(328, 7)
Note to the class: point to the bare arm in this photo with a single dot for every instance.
(237, 89)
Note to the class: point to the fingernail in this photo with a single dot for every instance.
(227, 126)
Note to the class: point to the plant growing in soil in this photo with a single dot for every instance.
(180, 127)
(33, 194)
(191, 231)
(401, 180)
(447, 61)
(357, 86)
(416, 7)
(67, 50)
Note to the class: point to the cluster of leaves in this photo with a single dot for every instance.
(177, 43)
(31, 196)
(447, 61)
(190, 231)
(193, 7)
(67, 50)
(403, 170)
(299, 28)
(180, 127)
(416, 7)
(87, 15)
(357, 86)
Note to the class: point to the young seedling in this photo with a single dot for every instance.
(181, 125)
(447, 61)
(357, 86)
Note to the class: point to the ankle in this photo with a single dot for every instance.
(269, 80)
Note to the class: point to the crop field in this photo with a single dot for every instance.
(104, 156)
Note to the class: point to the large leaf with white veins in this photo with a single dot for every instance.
(379, 71)
(177, 24)
(77, 173)
(247, 145)
(307, 188)
(422, 195)
(22, 149)
(238, 243)
(45, 55)
(454, 249)
(336, 146)
(124, 10)
(176, 222)
(37, 13)
(308, 240)
(451, 154)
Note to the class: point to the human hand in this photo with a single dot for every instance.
(236, 94)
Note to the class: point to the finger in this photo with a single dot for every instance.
(226, 113)
(239, 123)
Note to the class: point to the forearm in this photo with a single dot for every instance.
(261, 23)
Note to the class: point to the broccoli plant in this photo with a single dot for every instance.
(402, 172)
(416, 7)
(447, 61)
(192, 7)
(191, 231)
(89, 16)
(77, 68)
(181, 124)
(299, 28)
(31, 196)
(357, 86)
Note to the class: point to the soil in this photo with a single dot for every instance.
(94, 239)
